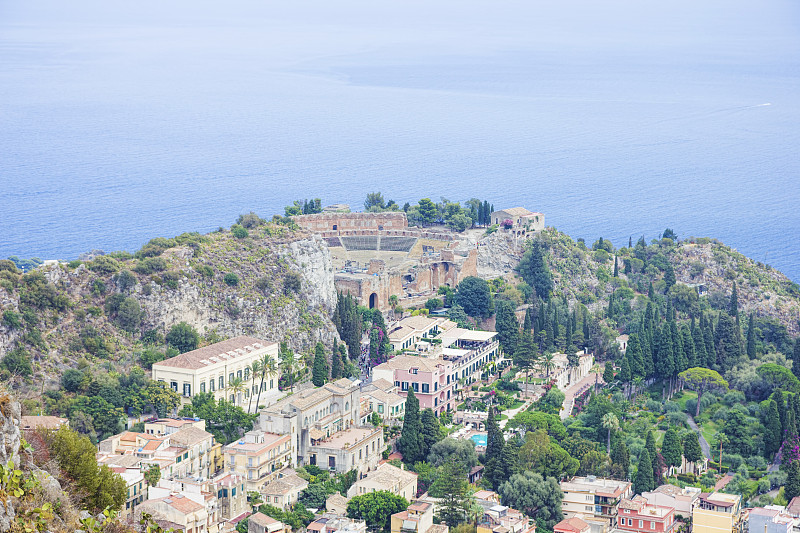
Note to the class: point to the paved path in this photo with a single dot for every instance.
(575, 390)
(512, 412)
(703, 443)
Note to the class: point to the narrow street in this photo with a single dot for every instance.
(703, 443)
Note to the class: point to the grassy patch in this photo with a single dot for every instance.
(687, 395)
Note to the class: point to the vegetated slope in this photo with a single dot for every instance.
(276, 283)
(586, 273)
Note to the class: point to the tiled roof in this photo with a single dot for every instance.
(407, 362)
(286, 484)
(220, 351)
(381, 384)
(400, 333)
(388, 475)
(571, 524)
(390, 398)
(517, 211)
(189, 436)
(44, 422)
(794, 505)
(418, 322)
(263, 520)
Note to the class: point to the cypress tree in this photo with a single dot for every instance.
(620, 459)
(708, 338)
(664, 358)
(608, 372)
(699, 346)
(586, 335)
(644, 482)
(507, 326)
(726, 341)
(336, 362)
(792, 487)
(527, 325)
(410, 442)
(610, 311)
(689, 356)
(320, 370)
(671, 448)
(796, 358)
(650, 445)
(556, 328)
(734, 308)
(669, 278)
(624, 374)
(634, 356)
(691, 447)
(568, 336)
(772, 429)
(549, 335)
(616, 267)
(751, 337)
(495, 444)
(630, 241)
(510, 461)
(781, 406)
(651, 294)
(431, 432)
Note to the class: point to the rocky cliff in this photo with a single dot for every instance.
(275, 284)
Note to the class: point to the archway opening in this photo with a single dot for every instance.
(373, 300)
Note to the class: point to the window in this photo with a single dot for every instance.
(221, 382)
(232, 399)
(271, 384)
(435, 402)
(202, 386)
(414, 371)
(641, 524)
(436, 386)
(426, 387)
(380, 408)
(396, 383)
(230, 378)
(652, 525)
(187, 389)
(416, 386)
(238, 373)
(173, 385)
(331, 461)
(211, 384)
(589, 508)
(346, 406)
(405, 386)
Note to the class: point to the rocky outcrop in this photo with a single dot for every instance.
(9, 451)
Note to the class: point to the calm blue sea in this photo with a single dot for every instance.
(124, 121)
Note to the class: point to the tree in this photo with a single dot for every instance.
(643, 481)
(671, 448)
(97, 486)
(650, 445)
(314, 496)
(474, 296)
(543, 455)
(733, 311)
(691, 447)
(129, 315)
(701, 380)
(431, 432)
(462, 451)
(427, 211)
(452, 490)
(152, 475)
(792, 488)
(507, 326)
(268, 367)
(161, 397)
(288, 364)
(610, 423)
(320, 371)
(726, 342)
(226, 421)
(525, 355)
(773, 434)
(669, 277)
(376, 508)
(751, 337)
(537, 497)
(608, 372)
(336, 362)
(796, 358)
(620, 460)
(534, 270)
(183, 337)
(410, 441)
(374, 200)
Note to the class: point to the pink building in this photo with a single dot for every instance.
(638, 516)
(431, 380)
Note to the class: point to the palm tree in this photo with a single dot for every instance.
(255, 369)
(610, 422)
(268, 369)
(637, 382)
(289, 366)
(236, 387)
(547, 364)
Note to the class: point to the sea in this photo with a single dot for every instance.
(123, 121)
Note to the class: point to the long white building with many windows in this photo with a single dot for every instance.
(215, 369)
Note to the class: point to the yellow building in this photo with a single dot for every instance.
(717, 513)
(214, 368)
(259, 456)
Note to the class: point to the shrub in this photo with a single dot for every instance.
(264, 284)
(104, 264)
(150, 265)
(99, 287)
(8, 265)
(183, 337)
(171, 278)
(72, 380)
(239, 232)
(17, 361)
(156, 247)
(125, 280)
(756, 462)
(250, 220)
(206, 271)
(231, 279)
(292, 283)
(12, 319)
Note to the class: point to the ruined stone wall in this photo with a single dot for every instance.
(345, 222)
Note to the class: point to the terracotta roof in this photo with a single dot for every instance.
(189, 436)
(400, 333)
(285, 484)
(335, 499)
(794, 505)
(44, 422)
(630, 504)
(420, 506)
(407, 362)
(382, 384)
(220, 351)
(263, 520)
(571, 524)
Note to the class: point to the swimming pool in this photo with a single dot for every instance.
(479, 439)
